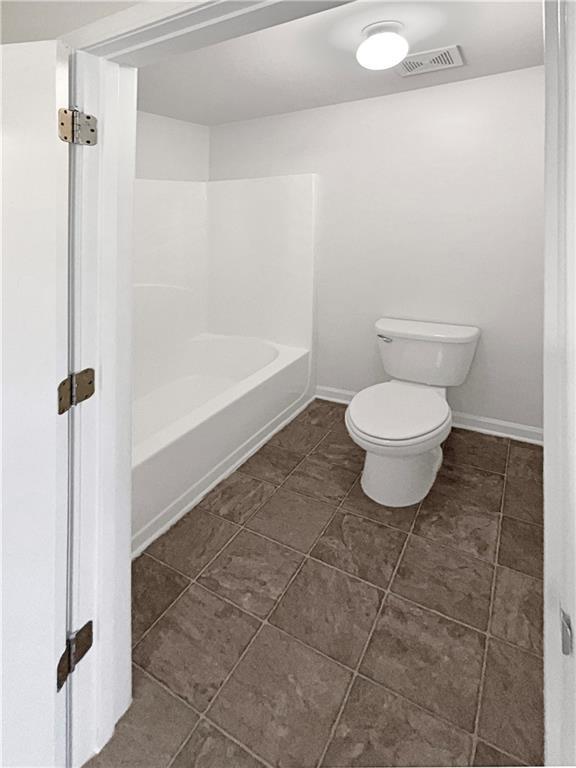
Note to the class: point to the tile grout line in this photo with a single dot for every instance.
(289, 450)
(263, 623)
(191, 580)
(201, 718)
(340, 507)
(448, 463)
(306, 556)
(186, 740)
(480, 697)
(162, 685)
(195, 579)
(503, 751)
(147, 631)
(362, 654)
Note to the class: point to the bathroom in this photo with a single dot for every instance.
(286, 200)
(298, 220)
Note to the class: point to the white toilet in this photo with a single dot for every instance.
(402, 423)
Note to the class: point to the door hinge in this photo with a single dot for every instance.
(77, 646)
(77, 127)
(567, 635)
(75, 389)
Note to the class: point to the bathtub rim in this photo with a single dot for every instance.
(147, 448)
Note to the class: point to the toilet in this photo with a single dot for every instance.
(402, 423)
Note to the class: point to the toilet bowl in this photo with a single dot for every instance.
(402, 423)
(401, 426)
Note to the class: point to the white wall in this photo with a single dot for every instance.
(171, 149)
(261, 263)
(431, 207)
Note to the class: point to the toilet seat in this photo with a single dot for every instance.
(398, 413)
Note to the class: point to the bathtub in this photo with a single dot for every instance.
(201, 407)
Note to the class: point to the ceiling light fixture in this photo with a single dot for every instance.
(383, 46)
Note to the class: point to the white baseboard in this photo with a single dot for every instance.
(334, 395)
(177, 509)
(521, 432)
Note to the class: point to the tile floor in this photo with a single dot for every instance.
(288, 620)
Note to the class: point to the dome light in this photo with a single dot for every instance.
(383, 46)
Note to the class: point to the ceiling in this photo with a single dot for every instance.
(310, 62)
(305, 63)
(28, 20)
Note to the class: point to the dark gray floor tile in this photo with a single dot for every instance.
(521, 546)
(511, 715)
(525, 461)
(431, 660)
(152, 730)
(237, 497)
(517, 609)
(321, 479)
(397, 517)
(471, 531)
(328, 610)
(361, 547)
(271, 463)
(524, 499)
(476, 450)
(467, 488)
(298, 438)
(195, 645)
(445, 580)
(338, 448)
(378, 728)
(252, 572)
(281, 700)
(321, 413)
(292, 519)
(154, 587)
(461, 510)
(192, 542)
(486, 756)
(208, 748)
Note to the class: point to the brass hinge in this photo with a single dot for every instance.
(77, 127)
(77, 646)
(75, 389)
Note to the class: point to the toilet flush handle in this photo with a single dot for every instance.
(387, 339)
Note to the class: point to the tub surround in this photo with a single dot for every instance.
(223, 331)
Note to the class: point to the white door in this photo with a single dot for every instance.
(34, 435)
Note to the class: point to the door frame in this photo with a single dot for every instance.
(141, 35)
(560, 379)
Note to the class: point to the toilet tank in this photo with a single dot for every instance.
(426, 353)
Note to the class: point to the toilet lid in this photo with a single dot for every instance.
(398, 411)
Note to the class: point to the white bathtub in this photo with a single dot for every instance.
(201, 406)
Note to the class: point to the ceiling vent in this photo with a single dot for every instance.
(430, 61)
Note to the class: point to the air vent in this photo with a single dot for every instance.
(430, 61)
